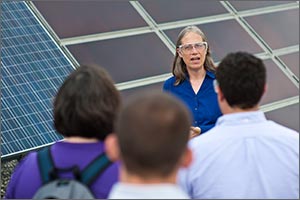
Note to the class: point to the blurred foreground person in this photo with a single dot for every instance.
(151, 142)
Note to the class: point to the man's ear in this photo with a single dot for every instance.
(112, 147)
(187, 158)
(265, 89)
(220, 94)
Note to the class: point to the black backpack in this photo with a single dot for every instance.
(60, 188)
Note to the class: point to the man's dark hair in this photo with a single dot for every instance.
(86, 104)
(153, 131)
(241, 77)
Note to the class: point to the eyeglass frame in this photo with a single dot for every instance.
(193, 44)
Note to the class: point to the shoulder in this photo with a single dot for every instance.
(170, 80)
(211, 74)
(26, 169)
(169, 83)
(28, 160)
(283, 131)
(208, 140)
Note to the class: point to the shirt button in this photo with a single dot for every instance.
(195, 122)
(196, 108)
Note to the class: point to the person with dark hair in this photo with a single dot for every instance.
(192, 82)
(151, 142)
(244, 155)
(85, 109)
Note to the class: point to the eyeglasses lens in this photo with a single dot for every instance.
(201, 46)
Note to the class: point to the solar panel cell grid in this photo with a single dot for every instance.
(33, 67)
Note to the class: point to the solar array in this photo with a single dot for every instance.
(32, 68)
(135, 42)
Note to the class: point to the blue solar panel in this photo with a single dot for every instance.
(33, 68)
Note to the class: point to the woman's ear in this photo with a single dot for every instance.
(112, 147)
(179, 52)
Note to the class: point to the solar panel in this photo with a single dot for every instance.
(33, 67)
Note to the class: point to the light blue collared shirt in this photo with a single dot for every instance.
(244, 156)
(147, 191)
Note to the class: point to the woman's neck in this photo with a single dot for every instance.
(196, 74)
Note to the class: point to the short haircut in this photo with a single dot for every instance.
(87, 104)
(241, 77)
(153, 130)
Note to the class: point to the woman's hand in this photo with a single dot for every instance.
(194, 131)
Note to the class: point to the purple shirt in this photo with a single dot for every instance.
(26, 178)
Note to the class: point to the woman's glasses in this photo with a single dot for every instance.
(188, 48)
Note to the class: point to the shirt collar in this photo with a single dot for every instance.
(241, 118)
(208, 73)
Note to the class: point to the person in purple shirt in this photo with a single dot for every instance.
(85, 109)
(193, 75)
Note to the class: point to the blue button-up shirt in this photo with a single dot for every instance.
(203, 105)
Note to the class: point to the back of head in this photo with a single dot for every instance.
(86, 104)
(241, 78)
(153, 131)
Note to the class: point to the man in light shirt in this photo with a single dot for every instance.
(244, 155)
(151, 141)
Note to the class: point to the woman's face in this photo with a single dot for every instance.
(193, 51)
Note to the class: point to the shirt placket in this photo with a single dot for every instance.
(196, 108)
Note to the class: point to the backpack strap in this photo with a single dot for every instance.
(90, 173)
(46, 164)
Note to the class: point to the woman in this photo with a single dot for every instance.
(193, 74)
